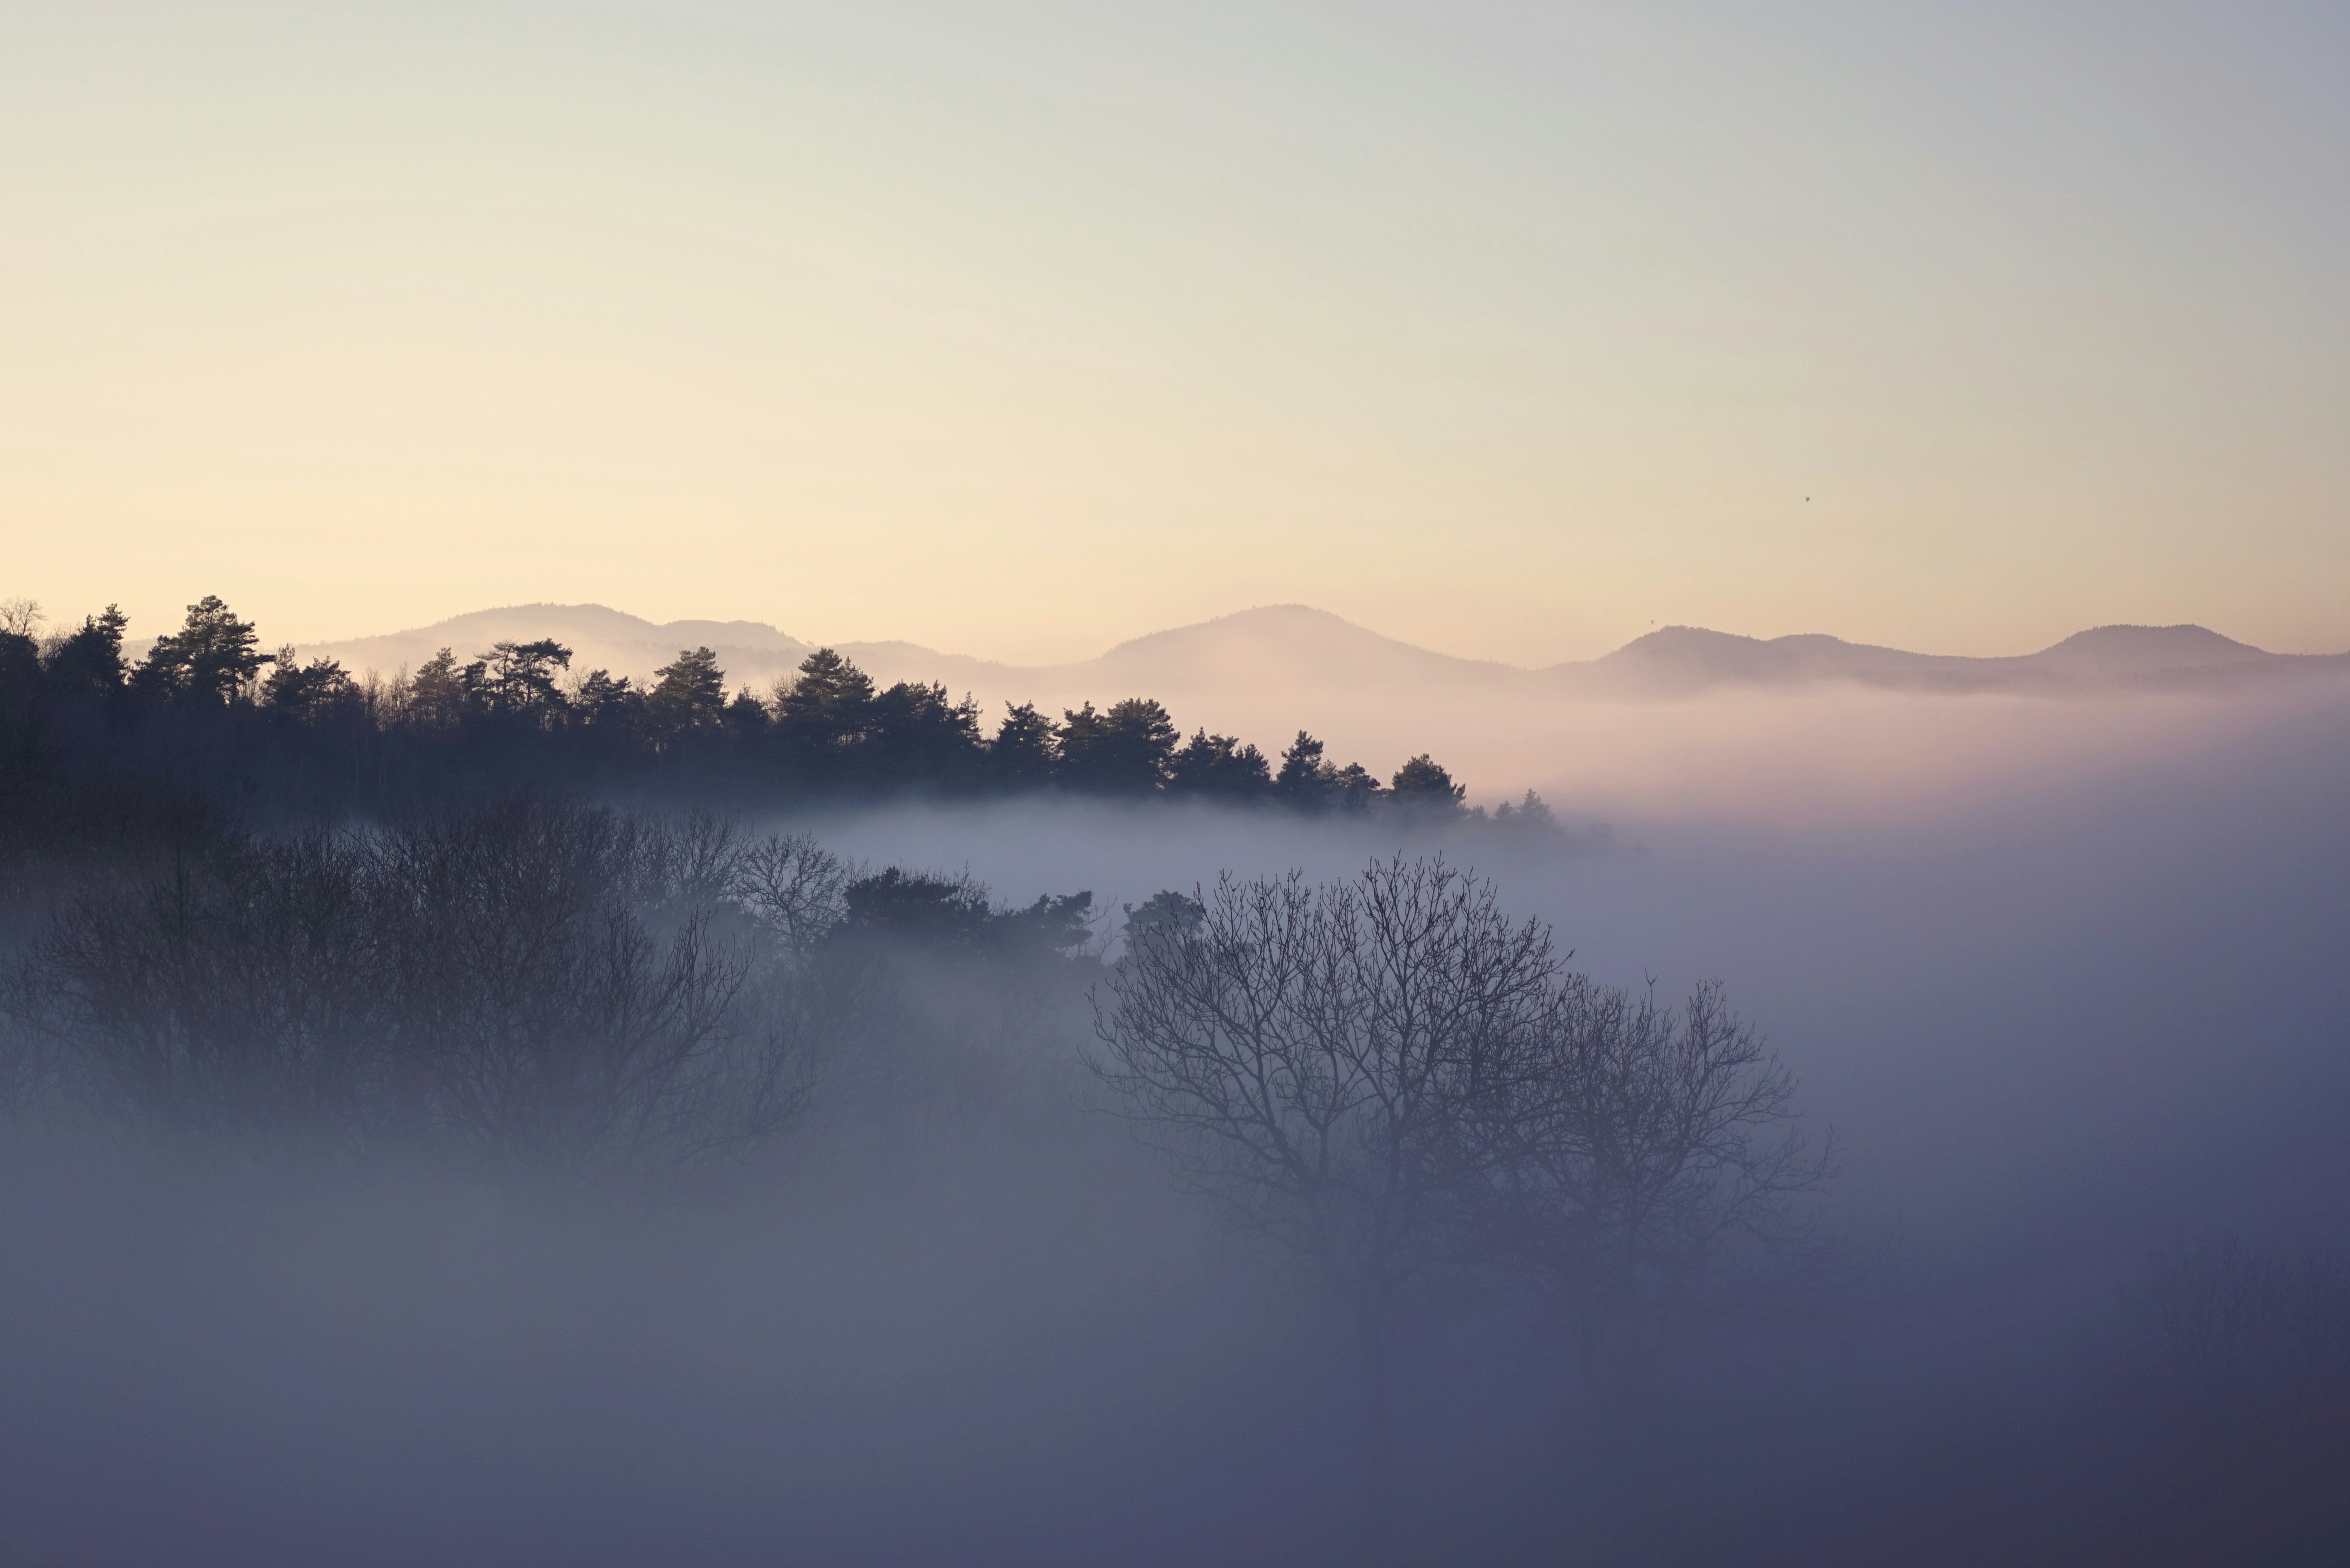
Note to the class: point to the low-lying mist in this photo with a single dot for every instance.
(879, 1268)
(1822, 754)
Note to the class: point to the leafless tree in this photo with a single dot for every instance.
(688, 862)
(226, 991)
(1310, 1058)
(532, 983)
(794, 887)
(563, 991)
(1648, 1163)
(1387, 1077)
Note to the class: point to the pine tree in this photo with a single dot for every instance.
(89, 661)
(309, 692)
(436, 697)
(1220, 767)
(213, 658)
(1126, 749)
(1422, 784)
(688, 698)
(828, 708)
(1025, 748)
(518, 678)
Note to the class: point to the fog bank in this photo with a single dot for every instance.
(2067, 979)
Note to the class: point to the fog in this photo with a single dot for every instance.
(2076, 925)
(2067, 977)
(1788, 757)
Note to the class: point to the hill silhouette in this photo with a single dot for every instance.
(1297, 647)
(1289, 644)
(1690, 658)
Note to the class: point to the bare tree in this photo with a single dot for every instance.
(1310, 1058)
(791, 889)
(226, 992)
(793, 886)
(564, 992)
(1646, 1161)
(688, 862)
(530, 982)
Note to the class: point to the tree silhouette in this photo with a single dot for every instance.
(1219, 767)
(1305, 778)
(1306, 1057)
(1022, 753)
(189, 716)
(437, 697)
(914, 731)
(1528, 815)
(1352, 788)
(1422, 786)
(1648, 1161)
(20, 681)
(309, 692)
(213, 658)
(825, 709)
(746, 716)
(1126, 750)
(89, 661)
(518, 678)
(611, 707)
(688, 698)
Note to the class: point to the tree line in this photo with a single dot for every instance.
(208, 705)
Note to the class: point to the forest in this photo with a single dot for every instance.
(208, 715)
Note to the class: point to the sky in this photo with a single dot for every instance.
(1020, 329)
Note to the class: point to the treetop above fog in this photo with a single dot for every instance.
(206, 704)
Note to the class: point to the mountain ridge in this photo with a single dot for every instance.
(1302, 646)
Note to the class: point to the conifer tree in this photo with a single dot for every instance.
(1126, 749)
(688, 698)
(827, 707)
(214, 658)
(1025, 748)
(1422, 784)
(89, 661)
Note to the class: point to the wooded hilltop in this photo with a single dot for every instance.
(208, 719)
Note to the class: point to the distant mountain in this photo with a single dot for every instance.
(1683, 659)
(1690, 658)
(1281, 645)
(1293, 648)
(1286, 645)
(2131, 653)
(597, 637)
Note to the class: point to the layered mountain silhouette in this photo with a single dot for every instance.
(1297, 647)
(1689, 658)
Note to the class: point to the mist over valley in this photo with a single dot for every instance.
(498, 1146)
(1229, 785)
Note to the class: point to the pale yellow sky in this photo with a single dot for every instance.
(1020, 329)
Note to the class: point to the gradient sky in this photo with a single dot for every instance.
(1017, 329)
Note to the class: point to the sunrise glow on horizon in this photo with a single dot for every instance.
(1510, 331)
